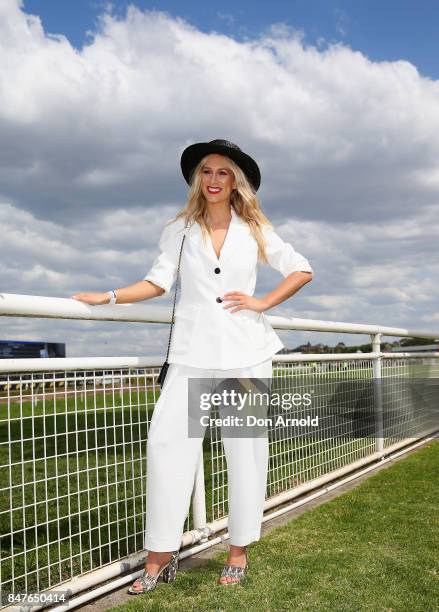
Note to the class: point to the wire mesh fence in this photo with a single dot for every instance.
(73, 454)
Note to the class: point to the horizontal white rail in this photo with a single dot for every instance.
(15, 305)
(53, 364)
(50, 364)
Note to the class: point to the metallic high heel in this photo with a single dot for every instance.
(234, 571)
(149, 582)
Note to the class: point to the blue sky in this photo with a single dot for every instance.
(383, 30)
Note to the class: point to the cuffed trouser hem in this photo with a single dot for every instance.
(243, 540)
(156, 545)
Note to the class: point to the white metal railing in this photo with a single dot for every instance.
(73, 436)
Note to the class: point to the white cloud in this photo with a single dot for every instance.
(91, 144)
(342, 21)
(227, 18)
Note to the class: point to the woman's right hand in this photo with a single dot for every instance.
(94, 299)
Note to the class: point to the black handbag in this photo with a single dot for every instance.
(164, 369)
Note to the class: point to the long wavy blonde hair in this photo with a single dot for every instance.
(243, 199)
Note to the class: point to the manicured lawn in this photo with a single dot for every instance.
(373, 548)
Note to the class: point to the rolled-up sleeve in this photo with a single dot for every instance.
(282, 256)
(163, 271)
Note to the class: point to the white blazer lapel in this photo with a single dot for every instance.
(236, 234)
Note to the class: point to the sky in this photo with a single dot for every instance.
(383, 31)
(338, 103)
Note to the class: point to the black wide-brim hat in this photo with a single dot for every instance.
(195, 152)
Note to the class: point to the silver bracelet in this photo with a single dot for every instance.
(112, 295)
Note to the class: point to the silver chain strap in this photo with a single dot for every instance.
(175, 297)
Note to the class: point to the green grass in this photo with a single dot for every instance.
(373, 548)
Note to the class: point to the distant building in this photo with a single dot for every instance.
(27, 349)
(417, 348)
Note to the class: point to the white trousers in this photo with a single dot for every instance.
(172, 458)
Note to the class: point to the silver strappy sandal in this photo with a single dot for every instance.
(149, 582)
(234, 571)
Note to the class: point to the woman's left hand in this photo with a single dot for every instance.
(242, 300)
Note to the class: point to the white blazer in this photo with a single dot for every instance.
(206, 335)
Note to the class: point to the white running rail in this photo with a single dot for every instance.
(73, 436)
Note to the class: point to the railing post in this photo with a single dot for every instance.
(199, 497)
(378, 392)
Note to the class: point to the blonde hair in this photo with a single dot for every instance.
(243, 199)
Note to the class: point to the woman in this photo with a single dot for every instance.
(220, 331)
